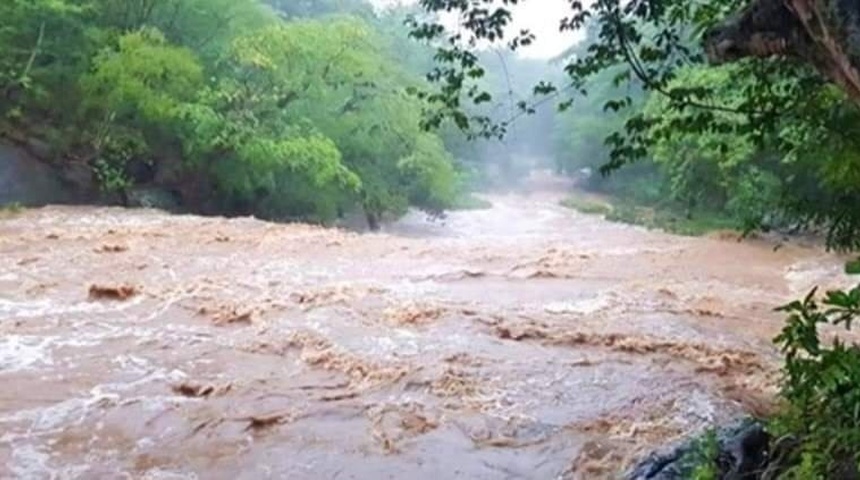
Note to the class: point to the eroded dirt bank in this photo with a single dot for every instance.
(526, 341)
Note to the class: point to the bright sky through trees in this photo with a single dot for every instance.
(541, 17)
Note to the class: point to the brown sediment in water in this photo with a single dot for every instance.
(708, 358)
(524, 341)
(333, 295)
(454, 383)
(191, 389)
(228, 314)
(393, 425)
(111, 248)
(413, 314)
(318, 352)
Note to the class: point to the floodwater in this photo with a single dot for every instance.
(522, 342)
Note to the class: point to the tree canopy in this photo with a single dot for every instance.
(280, 109)
(774, 114)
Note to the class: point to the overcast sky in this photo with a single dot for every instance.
(541, 17)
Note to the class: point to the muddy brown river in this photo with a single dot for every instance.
(525, 341)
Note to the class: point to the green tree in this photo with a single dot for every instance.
(240, 106)
(134, 93)
(779, 108)
(42, 43)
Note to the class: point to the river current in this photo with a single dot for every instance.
(526, 341)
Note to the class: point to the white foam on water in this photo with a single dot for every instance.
(42, 308)
(8, 277)
(132, 363)
(22, 352)
(145, 442)
(823, 271)
(73, 411)
(9, 309)
(29, 462)
(81, 340)
(51, 419)
(410, 289)
(583, 307)
(404, 343)
(159, 474)
(696, 410)
(157, 376)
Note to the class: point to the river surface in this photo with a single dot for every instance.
(525, 341)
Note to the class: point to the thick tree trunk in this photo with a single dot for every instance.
(824, 33)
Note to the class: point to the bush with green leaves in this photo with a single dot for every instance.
(820, 387)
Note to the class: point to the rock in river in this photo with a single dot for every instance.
(741, 454)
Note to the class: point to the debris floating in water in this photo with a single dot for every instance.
(108, 248)
(118, 292)
(200, 390)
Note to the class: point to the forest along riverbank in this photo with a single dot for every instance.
(523, 341)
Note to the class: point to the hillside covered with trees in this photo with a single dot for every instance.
(285, 110)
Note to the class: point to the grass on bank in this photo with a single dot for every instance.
(471, 202)
(664, 218)
(693, 224)
(587, 205)
(8, 210)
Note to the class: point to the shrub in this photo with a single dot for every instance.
(820, 387)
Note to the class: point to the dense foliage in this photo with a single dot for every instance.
(766, 142)
(282, 109)
(822, 413)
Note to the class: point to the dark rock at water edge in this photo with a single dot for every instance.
(741, 454)
(152, 197)
(27, 181)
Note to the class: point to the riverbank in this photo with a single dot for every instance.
(653, 217)
(796, 437)
(695, 224)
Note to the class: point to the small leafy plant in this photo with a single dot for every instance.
(704, 456)
(13, 207)
(821, 387)
(10, 209)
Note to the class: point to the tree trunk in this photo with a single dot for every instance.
(824, 33)
(373, 222)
